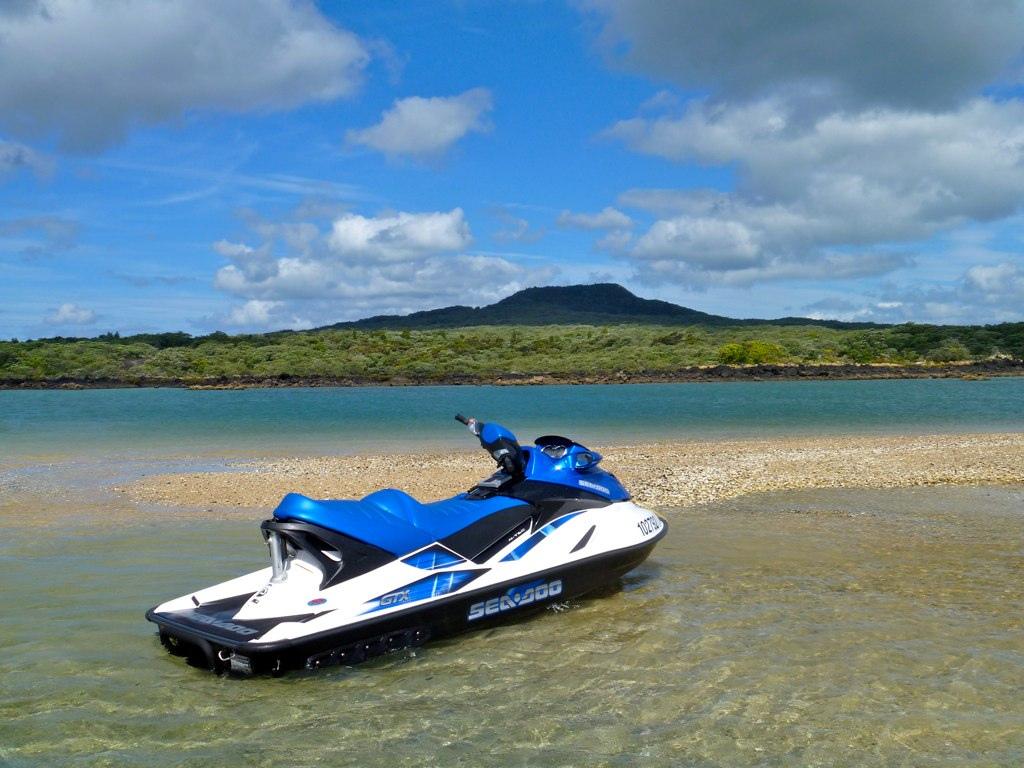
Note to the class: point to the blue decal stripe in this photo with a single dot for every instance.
(431, 586)
(435, 557)
(538, 537)
(525, 547)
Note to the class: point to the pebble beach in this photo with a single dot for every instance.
(670, 474)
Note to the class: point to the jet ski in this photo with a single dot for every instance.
(352, 579)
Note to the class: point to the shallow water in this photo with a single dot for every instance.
(141, 422)
(822, 628)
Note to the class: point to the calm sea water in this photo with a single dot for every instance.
(820, 628)
(137, 421)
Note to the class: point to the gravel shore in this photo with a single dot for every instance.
(661, 475)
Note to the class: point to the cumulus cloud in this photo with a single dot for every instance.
(844, 181)
(426, 127)
(989, 287)
(837, 308)
(71, 314)
(257, 314)
(607, 218)
(925, 54)
(253, 312)
(983, 293)
(873, 310)
(616, 241)
(15, 157)
(702, 241)
(852, 135)
(400, 236)
(359, 265)
(87, 70)
(918, 166)
(1000, 285)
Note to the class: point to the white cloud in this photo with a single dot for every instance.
(842, 308)
(983, 293)
(424, 127)
(706, 242)
(231, 250)
(997, 282)
(253, 312)
(259, 314)
(607, 218)
(850, 182)
(854, 143)
(922, 54)
(358, 265)
(87, 70)
(616, 241)
(71, 314)
(935, 168)
(400, 236)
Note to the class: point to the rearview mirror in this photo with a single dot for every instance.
(584, 460)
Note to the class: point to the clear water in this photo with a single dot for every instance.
(819, 628)
(338, 420)
(815, 629)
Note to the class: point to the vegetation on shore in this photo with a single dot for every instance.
(490, 352)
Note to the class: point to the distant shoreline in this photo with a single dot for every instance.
(717, 373)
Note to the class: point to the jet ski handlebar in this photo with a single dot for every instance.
(473, 424)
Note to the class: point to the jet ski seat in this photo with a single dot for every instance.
(390, 519)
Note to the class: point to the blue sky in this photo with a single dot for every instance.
(260, 164)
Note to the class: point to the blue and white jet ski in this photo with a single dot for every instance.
(352, 579)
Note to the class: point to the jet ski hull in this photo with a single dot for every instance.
(211, 637)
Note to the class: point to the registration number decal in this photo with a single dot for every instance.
(650, 524)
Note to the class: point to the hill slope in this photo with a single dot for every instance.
(597, 304)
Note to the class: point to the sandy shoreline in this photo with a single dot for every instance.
(661, 475)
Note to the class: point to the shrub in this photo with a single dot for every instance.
(732, 354)
(949, 351)
(750, 353)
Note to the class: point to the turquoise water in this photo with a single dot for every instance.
(824, 628)
(340, 420)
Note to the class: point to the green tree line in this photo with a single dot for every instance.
(490, 351)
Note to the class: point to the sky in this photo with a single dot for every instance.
(249, 165)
